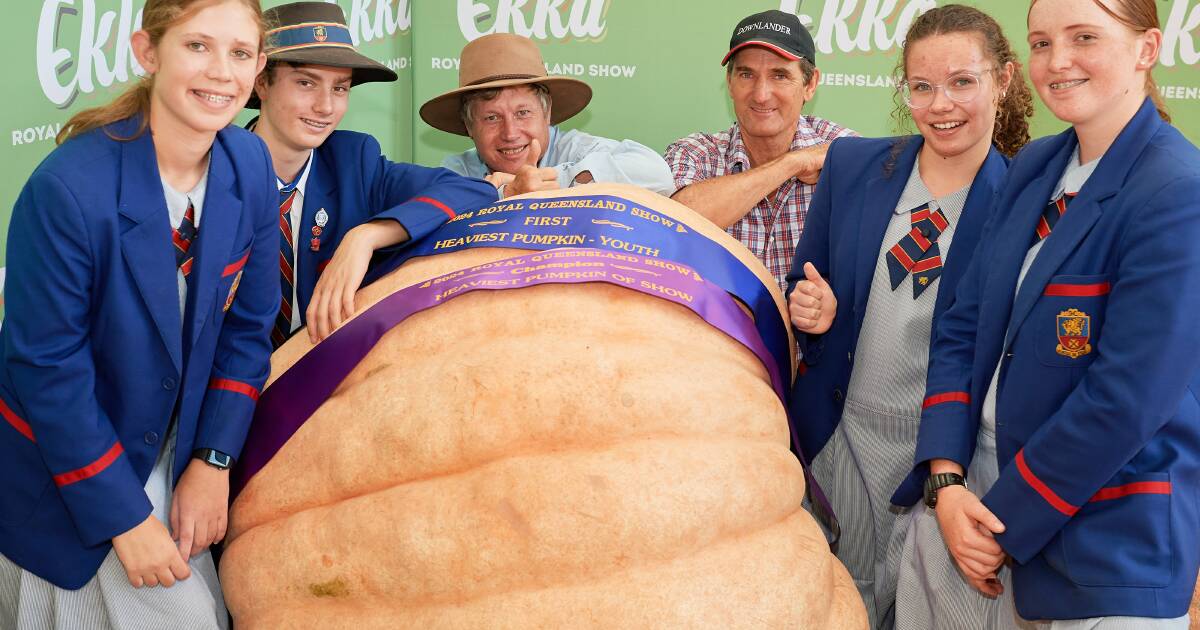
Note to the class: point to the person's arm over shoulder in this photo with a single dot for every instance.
(610, 161)
(724, 198)
(49, 357)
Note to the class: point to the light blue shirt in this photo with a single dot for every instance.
(573, 152)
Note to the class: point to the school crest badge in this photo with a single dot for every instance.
(320, 34)
(1074, 330)
(232, 291)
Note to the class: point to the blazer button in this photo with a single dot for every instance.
(850, 357)
(168, 383)
(150, 437)
(838, 395)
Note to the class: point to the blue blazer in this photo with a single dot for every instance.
(353, 183)
(1097, 420)
(843, 232)
(94, 356)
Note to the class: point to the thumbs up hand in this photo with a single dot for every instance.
(529, 177)
(812, 305)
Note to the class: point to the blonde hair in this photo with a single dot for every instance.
(158, 17)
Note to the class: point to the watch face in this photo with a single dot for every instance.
(219, 459)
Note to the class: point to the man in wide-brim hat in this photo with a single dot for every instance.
(340, 198)
(507, 104)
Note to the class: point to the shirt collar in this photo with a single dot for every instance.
(302, 180)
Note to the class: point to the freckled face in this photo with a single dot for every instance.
(954, 63)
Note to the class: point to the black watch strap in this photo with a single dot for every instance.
(938, 481)
(213, 458)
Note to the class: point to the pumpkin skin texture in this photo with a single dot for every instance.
(580, 456)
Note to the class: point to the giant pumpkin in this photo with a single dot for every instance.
(556, 456)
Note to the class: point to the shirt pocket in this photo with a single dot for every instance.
(1122, 536)
(1068, 320)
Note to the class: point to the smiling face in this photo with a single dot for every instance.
(301, 105)
(768, 92)
(203, 68)
(1089, 69)
(504, 127)
(950, 63)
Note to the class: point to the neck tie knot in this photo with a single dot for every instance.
(917, 252)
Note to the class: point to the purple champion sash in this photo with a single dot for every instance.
(303, 388)
(610, 223)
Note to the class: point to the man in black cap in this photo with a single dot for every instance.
(756, 178)
(340, 198)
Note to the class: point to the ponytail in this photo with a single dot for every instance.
(135, 100)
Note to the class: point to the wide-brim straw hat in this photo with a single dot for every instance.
(503, 60)
(315, 33)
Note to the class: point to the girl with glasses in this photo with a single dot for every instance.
(142, 284)
(892, 227)
(1063, 381)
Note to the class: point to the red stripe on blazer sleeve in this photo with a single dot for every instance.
(16, 421)
(92, 469)
(231, 385)
(937, 399)
(1041, 488)
(437, 204)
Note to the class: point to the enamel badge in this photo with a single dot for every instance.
(233, 290)
(322, 218)
(320, 34)
(1074, 330)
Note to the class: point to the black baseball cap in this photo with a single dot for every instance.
(777, 31)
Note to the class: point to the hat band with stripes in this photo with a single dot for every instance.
(308, 35)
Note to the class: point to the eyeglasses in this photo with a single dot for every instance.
(960, 88)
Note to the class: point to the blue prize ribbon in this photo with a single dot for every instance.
(605, 222)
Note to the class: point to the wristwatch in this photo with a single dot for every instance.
(213, 458)
(939, 481)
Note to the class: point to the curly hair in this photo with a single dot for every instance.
(1011, 131)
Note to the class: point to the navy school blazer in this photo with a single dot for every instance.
(353, 182)
(94, 357)
(1097, 420)
(854, 201)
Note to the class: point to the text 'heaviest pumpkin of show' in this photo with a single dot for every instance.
(560, 411)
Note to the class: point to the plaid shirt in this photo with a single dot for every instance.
(772, 228)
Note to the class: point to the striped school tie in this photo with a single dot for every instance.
(1050, 216)
(183, 236)
(287, 276)
(917, 253)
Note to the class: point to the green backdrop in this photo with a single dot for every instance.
(653, 64)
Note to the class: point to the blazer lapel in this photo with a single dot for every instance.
(975, 213)
(218, 229)
(146, 241)
(1085, 210)
(319, 194)
(882, 193)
